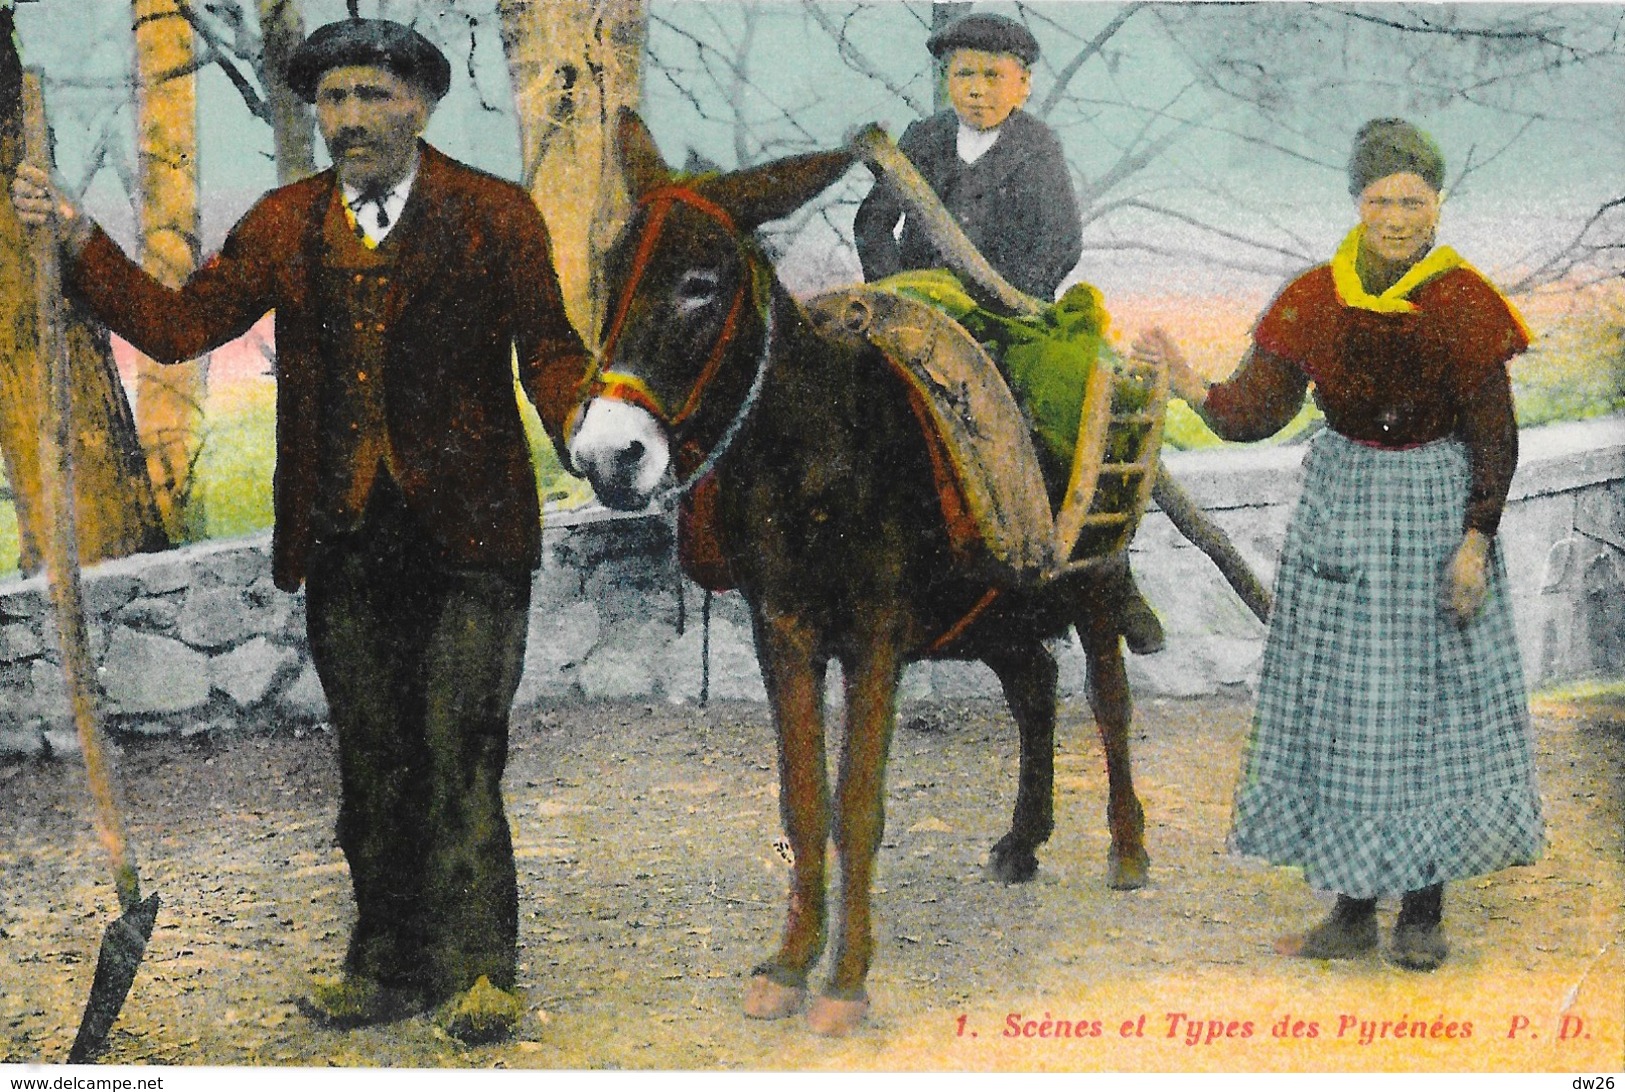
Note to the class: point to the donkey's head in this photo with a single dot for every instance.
(688, 333)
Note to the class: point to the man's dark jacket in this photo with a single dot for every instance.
(1015, 203)
(473, 283)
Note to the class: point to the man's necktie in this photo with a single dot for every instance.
(376, 200)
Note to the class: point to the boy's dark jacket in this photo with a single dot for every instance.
(1016, 203)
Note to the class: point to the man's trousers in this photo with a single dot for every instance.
(420, 664)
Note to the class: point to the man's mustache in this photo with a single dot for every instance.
(350, 138)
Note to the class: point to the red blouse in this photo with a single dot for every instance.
(1388, 380)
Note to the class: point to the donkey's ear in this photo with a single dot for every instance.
(640, 158)
(774, 190)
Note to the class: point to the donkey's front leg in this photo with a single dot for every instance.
(1129, 866)
(860, 820)
(794, 673)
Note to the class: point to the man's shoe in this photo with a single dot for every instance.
(481, 1014)
(354, 1001)
(1418, 946)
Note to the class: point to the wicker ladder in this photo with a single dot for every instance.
(1115, 465)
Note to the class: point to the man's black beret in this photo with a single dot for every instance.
(380, 42)
(988, 33)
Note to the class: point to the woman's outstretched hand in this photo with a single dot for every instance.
(1155, 347)
(1467, 578)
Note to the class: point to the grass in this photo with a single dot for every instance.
(1183, 430)
(1586, 690)
(1575, 370)
(239, 454)
(10, 544)
(233, 471)
(1547, 387)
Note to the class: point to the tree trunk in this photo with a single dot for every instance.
(169, 399)
(573, 65)
(293, 129)
(117, 513)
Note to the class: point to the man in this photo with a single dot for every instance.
(999, 170)
(403, 284)
(1002, 176)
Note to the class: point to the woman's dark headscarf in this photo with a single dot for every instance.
(1386, 146)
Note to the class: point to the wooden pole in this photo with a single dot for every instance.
(62, 550)
(117, 515)
(1189, 520)
(946, 235)
(922, 202)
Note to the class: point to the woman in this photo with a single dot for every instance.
(1391, 749)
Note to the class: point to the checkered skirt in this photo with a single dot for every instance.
(1391, 749)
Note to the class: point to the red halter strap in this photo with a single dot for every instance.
(660, 201)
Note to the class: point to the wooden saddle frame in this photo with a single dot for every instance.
(1115, 463)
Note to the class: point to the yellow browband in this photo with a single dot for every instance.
(625, 387)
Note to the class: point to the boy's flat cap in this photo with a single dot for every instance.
(988, 33)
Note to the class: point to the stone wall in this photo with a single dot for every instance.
(199, 641)
(1562, 535)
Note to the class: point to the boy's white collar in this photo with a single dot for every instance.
(973, 144)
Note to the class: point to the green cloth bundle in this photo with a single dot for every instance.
(1047, 358)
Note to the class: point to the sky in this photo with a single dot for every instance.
(724, 77)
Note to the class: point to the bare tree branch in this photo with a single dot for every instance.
(858, 60)
(219, 52)
(1090, 49)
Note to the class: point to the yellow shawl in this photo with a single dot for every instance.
(1346, 278)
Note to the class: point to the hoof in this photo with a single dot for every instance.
(767, 1000)
(1127, 873)
(834, 1018)
(483, 1013)
(1010, 862)
(1142, 629)
(355, 1001)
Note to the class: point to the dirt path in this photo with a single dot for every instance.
(649, 885)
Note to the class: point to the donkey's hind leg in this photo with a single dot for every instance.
(1028, 676)
(794, 675)
(1128, 866)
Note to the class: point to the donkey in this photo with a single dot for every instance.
(828, 518)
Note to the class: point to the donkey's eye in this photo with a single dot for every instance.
(695, 289)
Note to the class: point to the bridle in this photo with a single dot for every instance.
(625, 387)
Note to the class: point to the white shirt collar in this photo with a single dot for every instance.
(378, 221)
(974, 143)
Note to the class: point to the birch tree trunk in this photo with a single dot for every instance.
(117, 514)
(293, 129)
(573, 64)
(169, 398)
